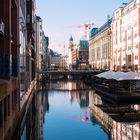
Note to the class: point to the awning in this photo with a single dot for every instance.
(119, 76)
(106, 75)
(129, 76)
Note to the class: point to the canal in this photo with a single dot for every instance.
(60, 111)
(71, 110)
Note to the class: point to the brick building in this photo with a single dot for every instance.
(9, 59)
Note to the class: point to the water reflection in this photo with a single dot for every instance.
(69, 117)
(31, 125)
(65, 86)
(42, 106)
(120, 122)
(63, 111)
(27, 129)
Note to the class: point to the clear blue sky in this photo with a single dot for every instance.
(60, 18)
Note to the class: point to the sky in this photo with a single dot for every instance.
(61, 18)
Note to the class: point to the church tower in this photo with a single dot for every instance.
(71, 43)
(70, 50)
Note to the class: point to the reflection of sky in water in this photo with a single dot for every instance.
(64, 121)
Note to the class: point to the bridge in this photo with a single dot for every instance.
(59, 74)
(68, 72)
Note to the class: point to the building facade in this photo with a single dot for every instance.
(100, 47)
(70, 49)
(23, 44)
(83, 54)
(64, 62)
(74, 56)
(55, 62)
(9, 59)
(30, 49)
(39, 42)
(126, 34)
(78, 54)
(46, 59)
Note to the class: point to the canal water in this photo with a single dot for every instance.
(71, 110)
(60, 111)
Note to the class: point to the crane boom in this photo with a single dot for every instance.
(86, 27)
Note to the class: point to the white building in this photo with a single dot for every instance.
(40, 45)
(125, 34)
(23, 43)
(64, 62)
(70, 49)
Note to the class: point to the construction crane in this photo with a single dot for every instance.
(86, 27)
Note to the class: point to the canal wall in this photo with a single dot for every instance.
(24, 105)
(25, 97)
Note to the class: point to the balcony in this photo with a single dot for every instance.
(2, 25)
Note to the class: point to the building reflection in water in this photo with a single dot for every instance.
(112, 118)
(31, 127)
(27, 129)
(120, 122)
(78, 91)
(42, 107)
(82, 97)
(68, 85)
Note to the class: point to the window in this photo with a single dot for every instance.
(119, 59)
(136, 46)
(129, 27)
(22, 77)
(136, 57)
(129, 37)
(135, 35)
(129, 58)
(136, 133)
(28, 18)
(123, 38)
(135, 23)
(129, 47)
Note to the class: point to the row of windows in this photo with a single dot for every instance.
(129, 58)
